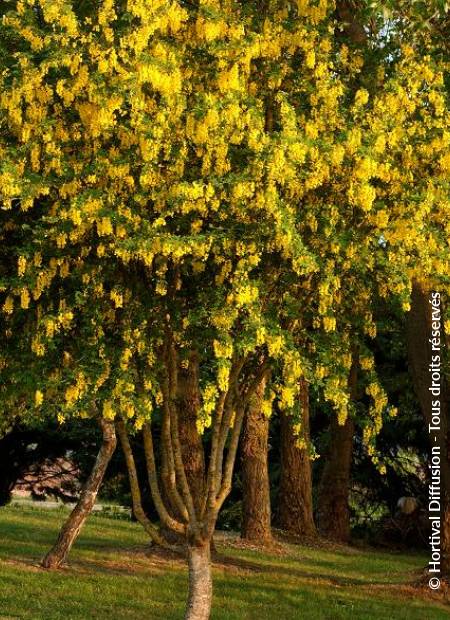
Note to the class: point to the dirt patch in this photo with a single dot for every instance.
(410, 591)
(285, 544)
(27, 564)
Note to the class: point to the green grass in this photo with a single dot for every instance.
(112, 576)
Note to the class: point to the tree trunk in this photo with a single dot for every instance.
(333, 510)
(189, 403)
(71, 528)
(295, 505)
(419, 328)
(200, 583)
(352, 30)
(255, 472)
(188, 396)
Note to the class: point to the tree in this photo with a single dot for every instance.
(256, 509)
(174, 211)
(158, 227)
(381, 37)
(418, 29)
(333, 507)
(295, 502)
(427, 29)
(72, 526)
(419, 330)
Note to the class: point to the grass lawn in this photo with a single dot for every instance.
(114, 576)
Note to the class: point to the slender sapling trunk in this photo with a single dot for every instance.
(69, 532)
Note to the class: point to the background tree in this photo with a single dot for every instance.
(256, 507)
(71, 528)
(295, 496)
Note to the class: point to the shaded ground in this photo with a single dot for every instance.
(24, 500)
(113, 575)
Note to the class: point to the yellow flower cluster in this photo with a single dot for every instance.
(38, 398)
(223, 349)
(251, 186)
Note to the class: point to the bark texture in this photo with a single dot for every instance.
(191, 442)
(333, 504)
(333, 510)
(256, 510)
(295, 504)
(69, 532)
(200, 583)
(419, 328)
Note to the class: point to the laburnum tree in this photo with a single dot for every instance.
(140, 160)
(195, 199)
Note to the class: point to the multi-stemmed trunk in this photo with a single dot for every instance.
(69, 532)
(419, 332)
(189, 402)
(187, 498)
(256, 510)
(295, 503)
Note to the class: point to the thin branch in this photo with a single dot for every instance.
(211, 482)
(227, 476)
(221, 427)
(138, 511)
(171, 370)
(164, 515)
(168, 463)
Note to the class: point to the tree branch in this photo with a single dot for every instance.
(164, 515)
(139, 513)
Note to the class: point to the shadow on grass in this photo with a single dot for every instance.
(111, 559)
(312, 601)
(319, 570)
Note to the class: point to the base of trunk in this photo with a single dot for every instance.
(257, 536)
(53, 561)
(200, 583)
(335, 521)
